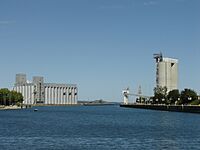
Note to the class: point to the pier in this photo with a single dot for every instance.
(174, 108)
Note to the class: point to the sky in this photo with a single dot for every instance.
(103, 46)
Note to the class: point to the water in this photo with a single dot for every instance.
(97, 128)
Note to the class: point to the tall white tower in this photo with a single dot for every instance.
(166, 72)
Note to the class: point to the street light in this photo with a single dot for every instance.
(156, 100)
(163, 101)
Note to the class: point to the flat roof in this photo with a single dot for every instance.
(60, 85)
(172, 60)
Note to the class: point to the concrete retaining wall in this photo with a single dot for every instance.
(177, 108)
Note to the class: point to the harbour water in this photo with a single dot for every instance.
(97, 128)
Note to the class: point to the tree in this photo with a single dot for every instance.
(10, 97)
(173, 96)
(16, 97)
(160, 94)
(188, 95)
(4, 96)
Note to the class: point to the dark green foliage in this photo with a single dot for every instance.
(160, 95)
(188, 95)
(173, 96)
(10, 97)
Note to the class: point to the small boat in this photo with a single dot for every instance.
(35, 109)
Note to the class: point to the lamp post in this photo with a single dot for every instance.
(1, 99)
(189, 99)
(4, 98)
(170, 100)
(156, 100)
(163, 100)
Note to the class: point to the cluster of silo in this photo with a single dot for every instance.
(60, 93)
(38, 92)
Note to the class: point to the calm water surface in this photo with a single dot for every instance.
(97, 128)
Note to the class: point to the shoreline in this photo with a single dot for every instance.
(15, 107)
(171, 108)
(10, 107)
(33, 105)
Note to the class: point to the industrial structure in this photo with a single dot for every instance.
(38, 92)
(166, 72)
(126, 93)
(166, 76)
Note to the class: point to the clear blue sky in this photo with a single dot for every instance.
(101, 45)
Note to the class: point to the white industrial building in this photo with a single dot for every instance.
(166, 72)
(38, 92)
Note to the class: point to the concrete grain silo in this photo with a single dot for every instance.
(166, 72)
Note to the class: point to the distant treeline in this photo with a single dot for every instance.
(8, 97)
